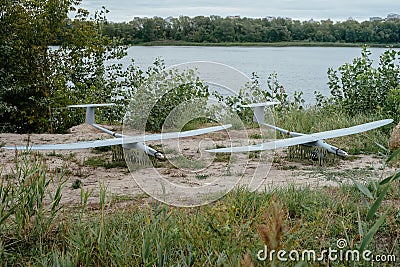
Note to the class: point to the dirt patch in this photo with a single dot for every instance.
(89, 167)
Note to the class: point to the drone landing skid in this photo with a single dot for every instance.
(316, 155)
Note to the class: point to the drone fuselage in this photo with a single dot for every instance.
(329, 148)
(148, 150)
(319, 143)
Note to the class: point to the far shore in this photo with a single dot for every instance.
(264, 44)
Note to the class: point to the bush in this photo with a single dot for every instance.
(162, 91)
(360, 88)
(37, 82)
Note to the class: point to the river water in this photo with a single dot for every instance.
(298, 68)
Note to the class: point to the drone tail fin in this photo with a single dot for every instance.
(90, 110)
(259, 114)
(259, 110)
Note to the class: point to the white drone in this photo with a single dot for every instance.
(137, 142)
(309, 140)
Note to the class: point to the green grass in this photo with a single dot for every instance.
(202, 176)
(76, 184)
(228, 232)
(152, 234)
(255, 136)
(103, 161)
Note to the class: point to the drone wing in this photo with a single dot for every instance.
(123, 140)
(71, 146)
(173, 135)
(303, 139)
(352, 130)
(267, 146)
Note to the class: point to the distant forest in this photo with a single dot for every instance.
(215, 29)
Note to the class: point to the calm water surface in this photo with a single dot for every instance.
(298, 68)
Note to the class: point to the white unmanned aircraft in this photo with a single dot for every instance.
(137, 142)
(315, 139)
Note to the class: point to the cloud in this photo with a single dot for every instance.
(125, 10)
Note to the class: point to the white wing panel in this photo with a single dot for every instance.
(352, 130)
(164, 136)
(264, 104)
(91, 105)
(268, 146)
(71, 146)
(119, 141)
(307, 138)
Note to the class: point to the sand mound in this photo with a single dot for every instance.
(395, 138)
(83, 128)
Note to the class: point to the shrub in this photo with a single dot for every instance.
(359, 87)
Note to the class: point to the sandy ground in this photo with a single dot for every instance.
(189, 175)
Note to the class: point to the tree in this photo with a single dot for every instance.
(38, 80)
(225, 30)
(27, 29)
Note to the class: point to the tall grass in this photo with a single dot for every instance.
(147, 233)
(30, 203)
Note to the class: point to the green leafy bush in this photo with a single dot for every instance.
(38, 80)
(162, 91)
(359, 87)
(252, 92)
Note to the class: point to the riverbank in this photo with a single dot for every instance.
(264, 44)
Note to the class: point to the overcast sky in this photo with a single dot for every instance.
(337, 10)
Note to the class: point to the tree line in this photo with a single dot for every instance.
(215, 29)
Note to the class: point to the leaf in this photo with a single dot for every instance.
(372, 232)
(390, 178)
(393, 155)
(376, 204)
(363, 189)
(381, 146)
(7, 214)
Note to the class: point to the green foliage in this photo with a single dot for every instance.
(83, 76)
(37, 81)
(379, 192)
(147, 233)
(253, 93)
(150, 234)
(163, 93)
(361, 88)
(27, 28)
(393, 157)
(215, 29)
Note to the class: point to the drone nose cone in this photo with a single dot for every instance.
(341, 153)
(159, 155)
